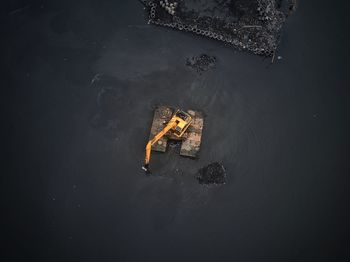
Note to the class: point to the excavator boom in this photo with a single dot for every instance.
(169, 126)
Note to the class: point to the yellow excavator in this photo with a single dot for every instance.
(177, 125)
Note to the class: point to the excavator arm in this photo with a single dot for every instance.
(172, 124)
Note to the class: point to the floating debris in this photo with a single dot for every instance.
(214, 173)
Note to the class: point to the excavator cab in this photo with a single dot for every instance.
(175, 126)
(183, 121)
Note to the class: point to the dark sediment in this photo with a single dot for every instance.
(214, 173)
(201, 63)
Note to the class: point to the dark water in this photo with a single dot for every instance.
(81, 80)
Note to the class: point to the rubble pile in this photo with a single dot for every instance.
(252, 25)
(201, 63)
(214, 173)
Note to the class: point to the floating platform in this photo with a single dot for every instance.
(191, 140)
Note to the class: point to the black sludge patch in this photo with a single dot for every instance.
(201, 63)
(213, 173)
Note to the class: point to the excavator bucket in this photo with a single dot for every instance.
(191, 140)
